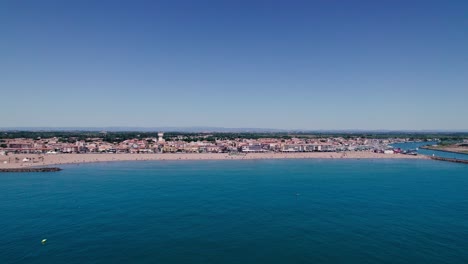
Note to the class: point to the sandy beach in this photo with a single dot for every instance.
(19, 160)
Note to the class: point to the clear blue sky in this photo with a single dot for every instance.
(266, 64)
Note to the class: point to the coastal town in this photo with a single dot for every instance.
(26, 149)
(180, 144)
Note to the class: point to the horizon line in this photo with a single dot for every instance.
(200, 129)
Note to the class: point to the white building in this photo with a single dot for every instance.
(160, 137)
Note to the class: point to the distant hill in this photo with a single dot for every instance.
(146, 129)
(201, 129)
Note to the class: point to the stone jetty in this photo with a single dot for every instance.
(46, 169)
(450, 160)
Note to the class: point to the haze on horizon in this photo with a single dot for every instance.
(398, 65)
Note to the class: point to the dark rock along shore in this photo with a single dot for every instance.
(30, 169)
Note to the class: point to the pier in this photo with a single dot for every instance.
(450, 160)
(48, 169)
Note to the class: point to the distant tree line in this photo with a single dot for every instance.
(72, 136)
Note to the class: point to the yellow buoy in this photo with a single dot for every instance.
(43, 241)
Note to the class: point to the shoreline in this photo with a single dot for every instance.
(40, 160)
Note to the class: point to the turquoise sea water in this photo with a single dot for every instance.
(258, 211)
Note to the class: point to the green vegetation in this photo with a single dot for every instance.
(115, 137)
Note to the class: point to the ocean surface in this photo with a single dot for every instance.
(253, 211)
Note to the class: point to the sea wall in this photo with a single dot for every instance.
(450, 160)
(30, 169)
